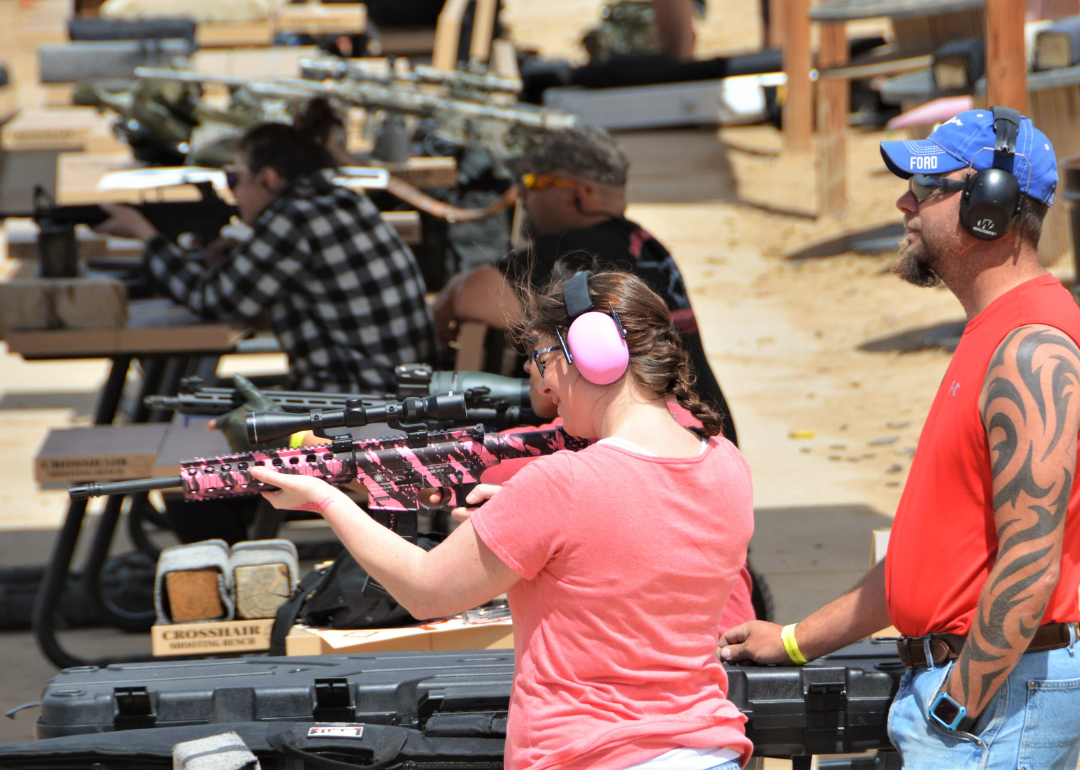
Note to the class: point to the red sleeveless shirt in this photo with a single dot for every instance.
(944, 542)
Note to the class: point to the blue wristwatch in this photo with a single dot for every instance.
(949, 714)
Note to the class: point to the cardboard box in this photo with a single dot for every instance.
(98, 453)
(452, 634)
(318, 19)
(211, 638)
(55, 128)
(99, 302)
(234, 34)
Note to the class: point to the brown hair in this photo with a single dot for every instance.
(1029, 225)
(657, 359)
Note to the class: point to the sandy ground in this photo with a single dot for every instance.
(819, 355)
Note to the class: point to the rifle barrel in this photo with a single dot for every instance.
(103, 488)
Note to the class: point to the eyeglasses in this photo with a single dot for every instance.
(539, 182)
(923, 186)
(540, 365)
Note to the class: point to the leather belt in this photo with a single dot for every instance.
(946, 647)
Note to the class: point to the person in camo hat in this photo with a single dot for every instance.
(574, 196)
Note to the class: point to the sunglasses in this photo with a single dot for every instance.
(923, 186)
(232, 176)
(539, 182)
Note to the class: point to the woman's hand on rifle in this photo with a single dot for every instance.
(299, 493)
(477, 497)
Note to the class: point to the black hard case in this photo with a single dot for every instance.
(834, 705)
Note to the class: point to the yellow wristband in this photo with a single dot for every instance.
(787, 636)
(297, 439)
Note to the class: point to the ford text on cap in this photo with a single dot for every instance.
(968, 140)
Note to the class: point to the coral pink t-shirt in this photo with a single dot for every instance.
(740, 605)
(626, 562)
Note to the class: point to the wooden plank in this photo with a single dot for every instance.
(776, 37)
(1056, 112)
(276, 61)
(63, 303)
(211, 638)
(797, 114)
(234, 34)
(483, 29)
(319, 19)
(448, 35)
(407, 41)
(425, 173)
(834, 98)
(1006, 67)
(98, 453)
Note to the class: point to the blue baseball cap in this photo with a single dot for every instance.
(968, 140)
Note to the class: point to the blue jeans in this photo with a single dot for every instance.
(1031, 723)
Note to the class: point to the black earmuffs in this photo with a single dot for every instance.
(992, 200)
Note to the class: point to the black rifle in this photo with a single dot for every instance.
(203, 218)
(481, 391)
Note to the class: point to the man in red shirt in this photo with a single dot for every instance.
(983, 567)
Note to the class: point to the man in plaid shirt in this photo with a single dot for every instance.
(341, 290)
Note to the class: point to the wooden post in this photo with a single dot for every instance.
(1006, 72)
(833, 105)
(796, 24)
(448, 35)
(775, 38)
(483, 29)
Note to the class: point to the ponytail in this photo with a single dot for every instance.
(294, 150)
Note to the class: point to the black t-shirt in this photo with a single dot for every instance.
(619, 244)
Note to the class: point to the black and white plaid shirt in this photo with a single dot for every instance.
(341, 290)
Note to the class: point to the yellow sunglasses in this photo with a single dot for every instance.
(539, 182)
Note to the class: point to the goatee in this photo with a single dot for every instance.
(911, 264)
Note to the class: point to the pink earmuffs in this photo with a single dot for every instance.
(596, 341)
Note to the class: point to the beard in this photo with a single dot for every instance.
(912, 263)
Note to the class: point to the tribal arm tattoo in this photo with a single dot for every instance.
(1030, 406)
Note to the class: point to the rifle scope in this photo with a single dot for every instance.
(513, 389)
(270, 426)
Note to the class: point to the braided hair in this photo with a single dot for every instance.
(657, 359)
